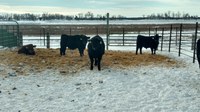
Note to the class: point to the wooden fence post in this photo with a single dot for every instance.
(48, 40)
(196, 31)
(179, 51)
(170, 38)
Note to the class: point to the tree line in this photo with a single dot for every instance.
(47, 16)
(91, 16)
(171, 15)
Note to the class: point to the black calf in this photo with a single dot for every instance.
(96, 49)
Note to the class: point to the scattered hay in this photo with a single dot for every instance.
(72, 62)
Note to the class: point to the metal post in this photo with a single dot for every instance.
(8, 44)
(44, 35)
(14, 39)
(1, 35)
(123, 36)
(48, 41)
(17, 28)
(196, 31)
(149, 31)
(162, 38)
(179, 52)
(156, 31)
(170, 38)
(176, 35)
(107, 35)
(20, 40)
(70, 31)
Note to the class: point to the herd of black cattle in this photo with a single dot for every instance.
(96, 46)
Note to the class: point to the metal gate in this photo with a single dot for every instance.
(9, 34)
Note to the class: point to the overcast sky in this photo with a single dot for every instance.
(129, 8)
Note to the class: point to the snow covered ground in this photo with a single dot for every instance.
(92, 22)
(153, 88)
(89, 22)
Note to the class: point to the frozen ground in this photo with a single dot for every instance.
(140, 89)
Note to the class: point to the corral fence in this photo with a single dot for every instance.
(180, 38)
(9, 34)
(40, 34)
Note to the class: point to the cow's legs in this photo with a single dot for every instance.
(99, 64)
(91, 64)
(140, 50)
(136, 50)
(152, 51)
(62, 51)
(96, 61)
(198, 59)
(81, 52)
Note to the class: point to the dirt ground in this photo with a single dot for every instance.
(72, 62)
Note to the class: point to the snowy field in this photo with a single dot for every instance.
(89, 22)
(99, 22)
(153, 88)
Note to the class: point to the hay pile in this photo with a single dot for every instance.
(72, 62)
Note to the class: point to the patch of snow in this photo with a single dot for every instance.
(144, 88)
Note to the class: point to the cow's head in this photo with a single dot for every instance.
(96, 42)
(156, 40)
(84, 40)
(29, 49)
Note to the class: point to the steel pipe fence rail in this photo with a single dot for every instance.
(180, 38)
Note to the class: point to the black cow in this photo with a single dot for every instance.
(198, 51)
(27, 49)
(96, 49)
(147, 42)
(73, 42)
